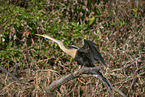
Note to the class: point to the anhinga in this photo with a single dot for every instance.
(86, 55)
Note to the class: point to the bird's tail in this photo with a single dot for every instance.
(95, 74)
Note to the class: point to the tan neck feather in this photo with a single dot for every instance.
(71, 52)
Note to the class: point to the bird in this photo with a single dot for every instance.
(86, 55)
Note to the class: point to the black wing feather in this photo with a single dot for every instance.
(88, 54)
(93, 54)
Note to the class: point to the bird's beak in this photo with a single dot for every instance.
(39, 35)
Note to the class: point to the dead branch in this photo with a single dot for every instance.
(68, 77)
(120, 92)
(13, 76)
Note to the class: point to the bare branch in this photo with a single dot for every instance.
(3, 69)
(68, 77)
(120, 92)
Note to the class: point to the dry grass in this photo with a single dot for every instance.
(122, 46)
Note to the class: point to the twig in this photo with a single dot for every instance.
(120, 92)
(3, 69)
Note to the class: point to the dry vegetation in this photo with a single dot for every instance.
(118, 31)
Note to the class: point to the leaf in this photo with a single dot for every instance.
(92, 20)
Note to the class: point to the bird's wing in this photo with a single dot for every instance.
(93, 54)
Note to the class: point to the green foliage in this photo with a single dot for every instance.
(116, 28)
(117, 22)
(136, 12)
(92, 20)
(21, 18)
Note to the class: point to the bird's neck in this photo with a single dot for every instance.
(71, 52)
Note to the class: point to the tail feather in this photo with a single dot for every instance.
(103, 78)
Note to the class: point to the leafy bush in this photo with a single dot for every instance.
(117, 27)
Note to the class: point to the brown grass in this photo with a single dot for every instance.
(122, 46)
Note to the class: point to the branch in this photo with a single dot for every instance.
(120, 92)
(3, 69)
(68, 77)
